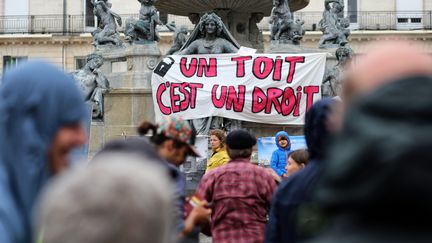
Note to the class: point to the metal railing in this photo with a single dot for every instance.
(77, 24)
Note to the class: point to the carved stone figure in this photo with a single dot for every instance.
(334, 28)
(107, 32)
(144, 29)
(283, 26)
(332, 85)
(210, 36)
(296, 32)
(93, 83)
(179, 37)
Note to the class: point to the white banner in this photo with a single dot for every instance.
(265, 88)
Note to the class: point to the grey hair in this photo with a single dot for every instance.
(115, 199)
(239, 153)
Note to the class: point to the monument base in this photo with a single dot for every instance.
(129, 101)
(130, 66)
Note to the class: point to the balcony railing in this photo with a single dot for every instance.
(77, 24)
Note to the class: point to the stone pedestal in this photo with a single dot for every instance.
(130, 66)
(128, 69)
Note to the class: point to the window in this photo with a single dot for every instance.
(11, 62)
(80, 62)
(163, 17)
(352, 11)
(402, 20)
(89, 16)
(416, 20)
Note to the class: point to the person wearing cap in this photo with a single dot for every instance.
(174, 140)
(240, 192)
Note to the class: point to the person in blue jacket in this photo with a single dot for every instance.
(279, 156)
(41, 112)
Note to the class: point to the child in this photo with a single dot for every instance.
(297, 160)
(279, 156)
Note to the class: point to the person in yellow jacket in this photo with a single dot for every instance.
(219, 154)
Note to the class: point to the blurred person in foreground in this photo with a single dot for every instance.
(377, 185)
(174, 140)
(117, 198)
(41, 111)
(219, 154)
(240, 191)
(292, 211)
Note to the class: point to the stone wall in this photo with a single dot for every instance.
(59, 50)
(40, 7)
(63, 50)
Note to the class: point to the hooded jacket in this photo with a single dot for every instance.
(279, 156)
(377, 185)
(36, 99)
(296, 190)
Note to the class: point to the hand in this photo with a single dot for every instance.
(199, 215)
(275, 176)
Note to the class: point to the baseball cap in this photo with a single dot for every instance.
(179, 129)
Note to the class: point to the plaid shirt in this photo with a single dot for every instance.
(241, 194)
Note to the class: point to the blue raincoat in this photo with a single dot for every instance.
(36, 99)
(279, 156)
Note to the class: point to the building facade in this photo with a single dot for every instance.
(59, 30)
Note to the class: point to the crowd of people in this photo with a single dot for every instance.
(364, 176)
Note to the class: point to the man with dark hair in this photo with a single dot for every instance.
(240, 192)
(174, 140)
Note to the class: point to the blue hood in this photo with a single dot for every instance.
(285, 134)
(316, 134)
(36, 99)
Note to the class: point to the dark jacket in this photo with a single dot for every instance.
(36, 99)
(296, 190)
(377, 185)
(279, 156)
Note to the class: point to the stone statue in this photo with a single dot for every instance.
(107, 32)
(144, 29)
(179, 37)
(93, 83)
(210, 36)
(283, 26)
(334, 28)
(331, 85)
